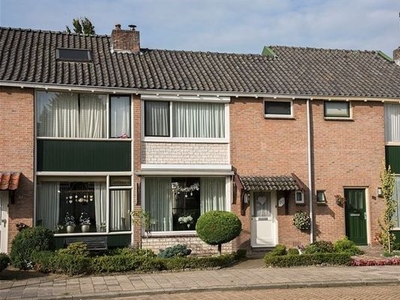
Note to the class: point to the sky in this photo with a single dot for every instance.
(233, 26)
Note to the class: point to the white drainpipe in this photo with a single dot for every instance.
(310, 187)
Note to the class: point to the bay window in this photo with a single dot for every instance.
(73, 115)
(175, 203)
(184, 119)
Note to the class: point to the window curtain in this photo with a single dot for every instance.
(396, 196)
(262, 204)
(212, 194)
(48, 205)
(100, 203)
(93, 116)
(156, 118)
(158, 203)
(198, 120)
(120, 117)
(58, 114)
(392, 122)
(120, 205)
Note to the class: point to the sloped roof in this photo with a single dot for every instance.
(269, 183)
(29, 56)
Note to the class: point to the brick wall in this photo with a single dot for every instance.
(185, 153)
(347, 154)
(17, 151)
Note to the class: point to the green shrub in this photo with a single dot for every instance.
(4, 261)
(278, 250)
(174, 251)
(72, 264)
(77, 248)
(218, 227)
(240, 254)
(319, 247)
(308, 259)
(26, 242)
(293, 251)
(347, 246)
(44, 261)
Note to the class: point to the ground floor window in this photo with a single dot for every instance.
(175, 203)
(89, 205)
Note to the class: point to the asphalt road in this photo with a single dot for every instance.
(329, 293)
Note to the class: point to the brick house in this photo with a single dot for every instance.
(97, 126)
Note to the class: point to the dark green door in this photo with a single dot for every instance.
(356, 216)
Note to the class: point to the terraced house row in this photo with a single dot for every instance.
(94, 127)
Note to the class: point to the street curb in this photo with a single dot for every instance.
(288, 285)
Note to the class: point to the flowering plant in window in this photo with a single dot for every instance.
(84, 219)
(69, 220)
(188, 220)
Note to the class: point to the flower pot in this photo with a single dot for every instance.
(85, 228)
(70, 229)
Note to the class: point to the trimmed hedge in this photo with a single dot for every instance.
(308, 259)
(4, 261)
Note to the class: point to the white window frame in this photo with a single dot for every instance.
(338, 116)
(299, 197)
(278, 116)
(172, 99)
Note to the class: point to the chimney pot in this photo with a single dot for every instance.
(117, 26)
(132, 27)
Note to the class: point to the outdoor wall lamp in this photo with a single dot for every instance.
(379, 192)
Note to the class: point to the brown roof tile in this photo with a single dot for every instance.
(269, 183)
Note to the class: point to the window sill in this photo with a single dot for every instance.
(185, 140)
(156, 234)
(348, 119)
(279, 117)
(322, 203)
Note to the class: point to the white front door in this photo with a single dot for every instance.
(3, 221)
(263, 219)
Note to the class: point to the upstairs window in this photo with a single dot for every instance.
(184, 120)
(79, 55)
(72, 115)
(278, 109)
(392, 123)
(335, 109)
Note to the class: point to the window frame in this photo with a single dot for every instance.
(347, 116)
(296, 194)
(278, 115)
(321, 197)
(171, 138)
(60, 52)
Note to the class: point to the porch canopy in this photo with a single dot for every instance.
(269, 183)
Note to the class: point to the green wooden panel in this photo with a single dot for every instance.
(114, 241)
(89, 156)
(393, 158)
(356, 224)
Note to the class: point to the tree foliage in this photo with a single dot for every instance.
(218, 227)
(386, 222)
(82, 26)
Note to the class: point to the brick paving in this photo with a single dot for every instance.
(249, 275)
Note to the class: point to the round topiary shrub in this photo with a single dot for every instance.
(26, 242)
(4, 261)
(218, 227)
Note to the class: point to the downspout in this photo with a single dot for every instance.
(309, 165)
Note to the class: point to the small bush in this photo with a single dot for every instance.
(4, 261)
(72, 264)
(319, 247)
(26, 242)
(308, 259)
(44, 261)
(175, 251)
(279, 250)
(347, 246)
(293, 251)
(77, 248)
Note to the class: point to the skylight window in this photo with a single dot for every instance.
(81, 55)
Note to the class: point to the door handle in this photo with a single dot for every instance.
(365, 215)
(4, 221)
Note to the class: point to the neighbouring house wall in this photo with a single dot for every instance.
(267, 147)
(185, 153)
(348, 154)
(17, 151)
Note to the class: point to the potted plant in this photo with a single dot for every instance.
(84, 221)
(186, 220)
(69, 223)
(302, 221)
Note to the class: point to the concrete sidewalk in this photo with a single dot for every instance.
(107, 286)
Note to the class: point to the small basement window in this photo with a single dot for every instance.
(278, 109)
(335, 109)
(80, 55)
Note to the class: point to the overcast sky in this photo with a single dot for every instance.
(241, 26)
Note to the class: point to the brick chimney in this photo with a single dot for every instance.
(396, 56)
(125, 40)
